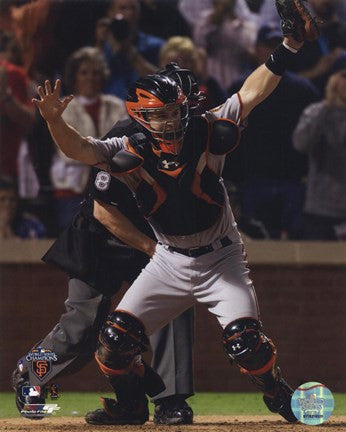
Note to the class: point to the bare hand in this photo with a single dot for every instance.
(50, 105)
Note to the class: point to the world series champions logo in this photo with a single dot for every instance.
(41, 361)
(312, 403)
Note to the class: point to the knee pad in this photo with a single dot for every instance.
(248, 347)
(121, 341)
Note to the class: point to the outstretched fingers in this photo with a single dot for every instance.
(40, 92)
(57, 87)
(66, 101)
(49, 97)
(48, 87)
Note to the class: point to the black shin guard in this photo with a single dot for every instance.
(255, 354)
(248, 347)
(121, 342)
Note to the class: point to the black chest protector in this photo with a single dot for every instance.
(183, 196)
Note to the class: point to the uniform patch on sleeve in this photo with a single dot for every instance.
(102, 181)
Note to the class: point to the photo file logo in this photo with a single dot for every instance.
(43, 409)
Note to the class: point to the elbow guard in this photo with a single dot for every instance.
(128, 160)
(224, 137)
(125, 162)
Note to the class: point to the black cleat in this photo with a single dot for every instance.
(172, 411)
(114, 414)
(18, 382)
(280, 402)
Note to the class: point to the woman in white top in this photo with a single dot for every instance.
(90, 111)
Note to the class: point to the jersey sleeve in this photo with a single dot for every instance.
(107, 189)
(109, 147)
(231, 109)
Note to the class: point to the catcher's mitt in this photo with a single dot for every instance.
(296, 20)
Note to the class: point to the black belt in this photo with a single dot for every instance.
(198, 251)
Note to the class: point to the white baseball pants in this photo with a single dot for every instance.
(172, 282)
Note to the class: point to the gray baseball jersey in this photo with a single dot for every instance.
(173, 281)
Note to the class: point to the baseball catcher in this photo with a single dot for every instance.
(97, 260)
(173, 167)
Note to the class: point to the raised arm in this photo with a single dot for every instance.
(120, 226)
(68, 139)
(297, 26)
(263, 81)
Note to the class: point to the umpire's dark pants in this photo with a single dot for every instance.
(74, 339)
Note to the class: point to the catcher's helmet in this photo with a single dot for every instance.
(158, 104)
(187, 81)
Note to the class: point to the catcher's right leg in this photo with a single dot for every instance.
(255, 354)
(121, 342)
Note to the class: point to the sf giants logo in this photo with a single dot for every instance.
(41, 368)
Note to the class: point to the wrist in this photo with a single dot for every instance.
(150, 249)
(291, 43)
(282, 58)
(289, 47)
(54, 121)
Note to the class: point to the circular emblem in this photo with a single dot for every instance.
(312, 403)
(102, 181)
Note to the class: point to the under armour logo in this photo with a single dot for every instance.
(169, 164)
(165, 164)
(236, 347)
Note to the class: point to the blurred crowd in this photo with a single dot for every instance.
(286, 179)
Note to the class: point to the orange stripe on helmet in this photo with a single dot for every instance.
(145, 100)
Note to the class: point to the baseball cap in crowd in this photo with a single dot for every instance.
(269, 32)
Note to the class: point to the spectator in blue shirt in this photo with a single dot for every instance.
(129, 52)
(266, 168)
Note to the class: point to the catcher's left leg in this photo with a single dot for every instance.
(255, 354)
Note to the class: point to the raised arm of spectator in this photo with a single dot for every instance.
(120, 226)
(263, 81)
(134, 57)
(139, 63)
